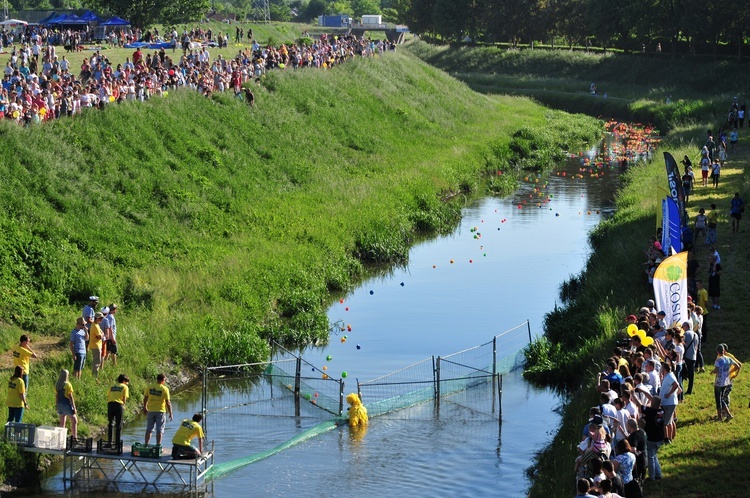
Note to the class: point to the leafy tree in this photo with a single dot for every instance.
(315, 8)
(419, 16)
(143, 13)
(340, 7)
(449, 19)
(280, 12)
(182, 11)
(365, 7)
(568, 20)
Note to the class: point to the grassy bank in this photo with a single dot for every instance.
(216, 227)
(636, 86)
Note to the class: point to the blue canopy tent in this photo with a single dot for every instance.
(47, 19)
(91, 17)
(115, 21)
(68, 20)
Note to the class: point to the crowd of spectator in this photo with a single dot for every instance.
(40, 85)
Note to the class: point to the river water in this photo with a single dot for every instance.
(501, 266)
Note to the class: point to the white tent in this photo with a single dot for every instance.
(13, 22)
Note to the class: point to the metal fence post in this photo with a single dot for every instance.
(494, 371)
(436, 380)
(297, 383)
(204, 401)
(341, 397)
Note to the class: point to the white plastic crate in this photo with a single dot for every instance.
(51, 438)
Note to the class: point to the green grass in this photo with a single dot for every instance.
(636, 86)
(217, 227)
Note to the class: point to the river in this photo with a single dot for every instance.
(501, 266)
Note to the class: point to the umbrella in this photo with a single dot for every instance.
(13, 22)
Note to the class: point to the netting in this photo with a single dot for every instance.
(400, 389)
(259, 397)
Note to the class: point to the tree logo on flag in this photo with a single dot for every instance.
(674, 273)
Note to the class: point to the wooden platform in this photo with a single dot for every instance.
(125, 468)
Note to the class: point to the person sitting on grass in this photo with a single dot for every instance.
(182, 449)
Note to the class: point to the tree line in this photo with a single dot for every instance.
(687, 26)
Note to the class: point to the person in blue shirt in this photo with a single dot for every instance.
(612, 375)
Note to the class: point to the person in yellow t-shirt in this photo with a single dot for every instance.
(95, 343)
(16, 399)
(22, 353)
(156, 402)
(116, 397)
(182, 449)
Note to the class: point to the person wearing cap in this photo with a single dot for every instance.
(650, 304)
(22, 353)
(78, 338)
(117, 395)
(95, 343)
(90, 310)
(723, 367)
(110, 329)
(661, 316)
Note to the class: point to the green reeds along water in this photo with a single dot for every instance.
(215, 226)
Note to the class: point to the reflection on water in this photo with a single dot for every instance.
(502, 266)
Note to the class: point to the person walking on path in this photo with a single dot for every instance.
(116, 397)
(22, 354)
(736, 208)
(723, 382)
(712, 220)
(700, 225)
(705, 168)
(715, 173)
(66, 405)
(714, 281)
(156, 404)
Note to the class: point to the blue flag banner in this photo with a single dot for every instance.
(674, 182)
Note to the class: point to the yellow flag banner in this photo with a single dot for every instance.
(670, 288)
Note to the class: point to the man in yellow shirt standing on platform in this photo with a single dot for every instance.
(156, 402)
(116, 397)
(21, 355)
(188, 429)
(95, 343)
